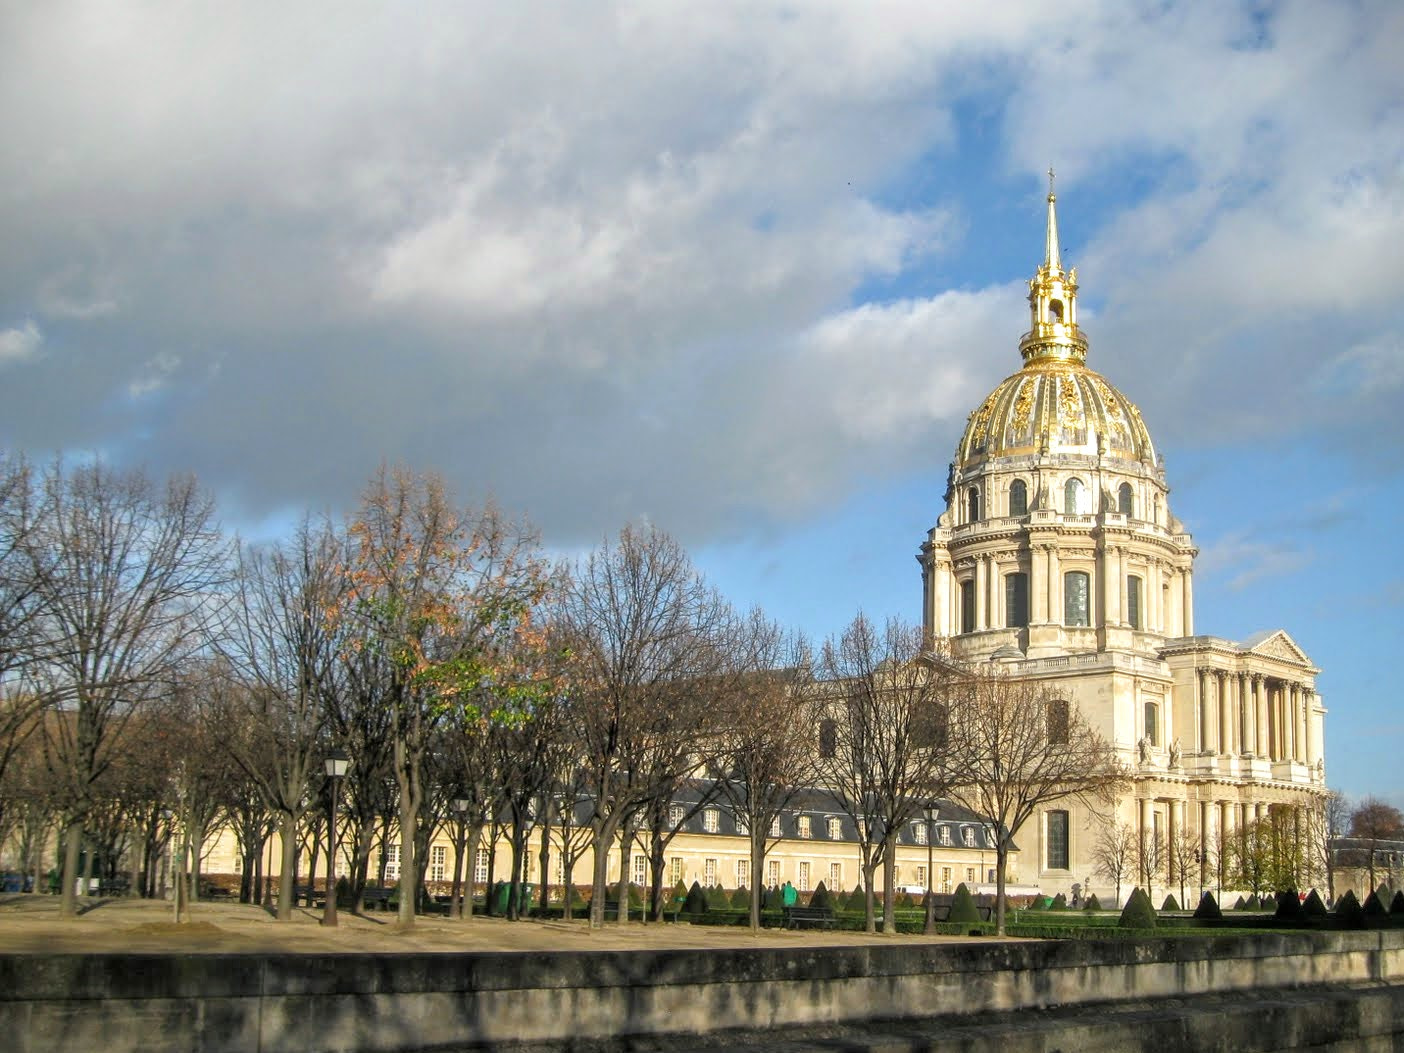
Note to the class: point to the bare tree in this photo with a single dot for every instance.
(766, 754)
(886, 703)
(1114, 853)
(1151, 856)
(1018, 747)
(1373, 822)
(126, 573)
(646, 638)
(281, 650)
(1183, 852)
(1330, 821)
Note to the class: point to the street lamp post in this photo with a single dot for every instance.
(336, 764)
(460, 805)
(933, 812)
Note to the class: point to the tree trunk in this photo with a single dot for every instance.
(757, 873)
(1001, 858)
(68, 879)
(869, 868)
(889, 887)
(544, 858)
(287, 875)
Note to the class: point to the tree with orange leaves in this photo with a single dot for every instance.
(448, 596)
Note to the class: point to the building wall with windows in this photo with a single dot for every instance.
(1058, 555)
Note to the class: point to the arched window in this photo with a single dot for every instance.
(1058, 722)
(1076, 590)
(1133, 601)
(1058, 840)
(828, 739)
(1018, 498)
(973, 504)
(1055, 310)
(1072, 497)
(1152, 719)
(1123, 499)
(1016, 600)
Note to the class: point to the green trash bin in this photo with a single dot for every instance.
(502, 892)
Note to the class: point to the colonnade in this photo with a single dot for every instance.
(1210, 819)
(1247, 712)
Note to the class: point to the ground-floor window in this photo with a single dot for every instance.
(709, 872)
(804, 877)
(392, 862)
(946, 879)
(675, 870)
(835, 877)
(921, 876)
(743, 873)
(970, 877)
(1057, 840)
(438, 862)
(480, 867)
(640, 877)
(772, 875)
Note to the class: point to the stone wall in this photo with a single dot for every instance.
(365, 1002)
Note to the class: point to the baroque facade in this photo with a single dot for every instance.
(1058, 554)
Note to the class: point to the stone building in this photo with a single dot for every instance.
(1058, 553)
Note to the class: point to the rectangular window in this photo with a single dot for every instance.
(1152, 717)
(802, 826)
(743, 873)
(1016, 600)
(775, 827)
(946, 879)
(480, 867)
(803, 882)
(967, 606)
(919, 831)
(921, 876)
(1058, 840)
(675, 815)
(438, 857)
(392, 862)
(709, 872)
(835, 877)
(1076, 586)
(945, 835)
(675, 870)
(640, 869)
(560, 870)
(1133, 601)
(711, 820)
(970, 878)
(772, 872)
(742, 826)
(835, 828)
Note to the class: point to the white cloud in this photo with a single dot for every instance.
(1243, 557)
(155, 374)
(19, 342)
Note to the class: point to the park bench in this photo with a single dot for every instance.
(309, 895)
(798, 917)
(377, 897)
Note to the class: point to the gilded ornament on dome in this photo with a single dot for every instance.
(1023, 408)
(1069, 402)
(1109, 399)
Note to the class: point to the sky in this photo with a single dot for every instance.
(740, 270)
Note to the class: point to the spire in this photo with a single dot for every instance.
(1053, 335)
(1050, 252)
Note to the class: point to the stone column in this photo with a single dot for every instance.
(1189, 602)
(1290, 722)
(981, 594)
(1042, 610)
(1302, 695)
(1208, 699)
(1225, 712)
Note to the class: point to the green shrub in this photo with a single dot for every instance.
(1372, 907)
(1313, 907)
(1138, 912)
(1240, 904)
(1093, 903)
(1253, 903)
(741, 899)
(679, 892)
(1208, 907)
(963, 909)
(717, 899)
(1348, 911)
(1060, 902)
(1171, 903)
(821, 900)
(1289, 905)
(903, 901)
(772, 900)
(696, 902)
(1037, 903)
(855, 899)
(1396, 905)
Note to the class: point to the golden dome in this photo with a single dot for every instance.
(1053, 406)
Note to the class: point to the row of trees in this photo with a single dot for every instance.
(157, 675)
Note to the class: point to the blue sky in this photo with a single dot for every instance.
(740, 269)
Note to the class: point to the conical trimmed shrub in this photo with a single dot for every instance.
(696, 902)
(821, 899)
(1037, 904)
(1138, 912)
(772, 900)
(963, 907)
(1240, 904)
(903, 902)
(1060, 902)
(1289, 905)
(1313, 907)
(1171, 903)
(1349, 911)
(1093, 903)
(680, 891)
(1253, 903)
(741, 899)
(717, 899)
(1396, 905)
(1372, 907)
(1208, 907)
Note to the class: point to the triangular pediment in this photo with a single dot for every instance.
(1275, 643)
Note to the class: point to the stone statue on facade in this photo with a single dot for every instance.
(1175, 754)
(1144, 746)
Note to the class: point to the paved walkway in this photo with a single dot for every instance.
(31, 924)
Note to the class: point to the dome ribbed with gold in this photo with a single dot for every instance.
(1055, 404)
